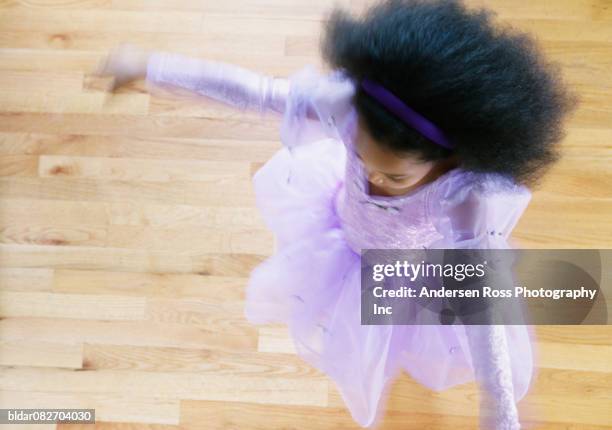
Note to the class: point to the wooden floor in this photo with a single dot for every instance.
(128, 224)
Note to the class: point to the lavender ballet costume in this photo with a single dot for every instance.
(313, 194)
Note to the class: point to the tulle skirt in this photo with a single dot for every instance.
(312, 284)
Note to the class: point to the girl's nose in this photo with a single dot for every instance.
(376, 178)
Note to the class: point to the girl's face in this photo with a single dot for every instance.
(389, 173)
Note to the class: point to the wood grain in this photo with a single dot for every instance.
(129, 229)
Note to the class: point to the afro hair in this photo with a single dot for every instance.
(488, 87)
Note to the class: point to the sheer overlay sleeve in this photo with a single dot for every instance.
(318, 107)
(481, 215)
(477, 210)
(239, 87)
(313, 106)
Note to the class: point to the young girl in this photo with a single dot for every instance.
(426, 134)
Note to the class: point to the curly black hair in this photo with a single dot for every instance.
(489, 88)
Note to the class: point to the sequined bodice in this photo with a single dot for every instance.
(379, 221)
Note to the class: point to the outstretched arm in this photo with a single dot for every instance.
(480, 217)
(225, 82)
(491, 359)
(486, 338)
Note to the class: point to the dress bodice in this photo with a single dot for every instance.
(381, 222)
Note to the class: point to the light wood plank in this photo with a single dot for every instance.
(109, 407)
(214, 289)
(129, 230)
(26, 279)
(79, 306)
(171, 385)
(42, 354)
(138, 333)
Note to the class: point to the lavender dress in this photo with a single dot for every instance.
(313, 194)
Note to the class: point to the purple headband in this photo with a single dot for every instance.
(408, 115)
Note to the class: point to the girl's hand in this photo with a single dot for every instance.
(126, 62)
